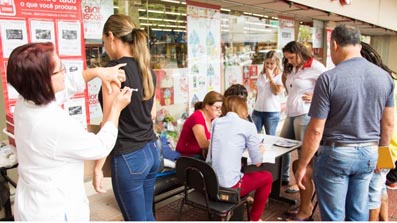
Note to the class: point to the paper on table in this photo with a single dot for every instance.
(269, 156)
(285, 143)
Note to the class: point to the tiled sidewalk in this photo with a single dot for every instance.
(104, 207)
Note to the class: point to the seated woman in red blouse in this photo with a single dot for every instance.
(195, 134)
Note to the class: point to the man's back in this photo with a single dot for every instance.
(352, 97)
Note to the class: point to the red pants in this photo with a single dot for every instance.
(261, 183)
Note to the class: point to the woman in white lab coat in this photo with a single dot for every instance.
(51, 145)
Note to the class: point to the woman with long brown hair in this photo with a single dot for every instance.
(134, 159)
(231, 135)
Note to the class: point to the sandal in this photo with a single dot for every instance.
(292, 190)
(293, 211)
(295, 218)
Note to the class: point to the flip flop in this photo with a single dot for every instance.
(295, 218)
(291, 190)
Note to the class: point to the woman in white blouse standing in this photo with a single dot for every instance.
(269, 85)
(52, 146)
(301, 71)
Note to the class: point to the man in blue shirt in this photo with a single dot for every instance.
(351, 114)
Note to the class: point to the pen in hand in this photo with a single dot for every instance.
(262, 147)
(263, 140)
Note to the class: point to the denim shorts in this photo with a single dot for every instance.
(377, 188)
(342, 176)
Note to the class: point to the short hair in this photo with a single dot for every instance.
(344, 35)
(237, 90)
(210, 98)
(29, 71)
(372, 56)
(235, 104)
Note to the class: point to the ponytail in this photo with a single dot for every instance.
(125, 29)
(141, 53)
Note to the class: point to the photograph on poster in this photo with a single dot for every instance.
(69, 38)
(73, 65)
(69, 34)
(76, 109)
(43, 34)
(14, 33)
(42, 31)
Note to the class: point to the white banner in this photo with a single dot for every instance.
(95, 14)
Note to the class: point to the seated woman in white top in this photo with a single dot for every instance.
(231, 135)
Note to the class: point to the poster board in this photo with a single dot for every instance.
(204, 50)
(286, 31)
(57, 21)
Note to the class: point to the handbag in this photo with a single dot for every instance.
(230, 195)
(385, 160)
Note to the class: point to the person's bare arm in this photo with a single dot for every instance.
(274, 88)
(153, 113)
(108, 75)
(199, 134)
(284, 80)
(107, 112)
(310, 144)
(387, 126)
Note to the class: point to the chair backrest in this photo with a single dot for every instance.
(197, 174)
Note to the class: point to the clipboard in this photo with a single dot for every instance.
(385, 160)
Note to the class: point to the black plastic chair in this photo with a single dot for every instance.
(201, 189)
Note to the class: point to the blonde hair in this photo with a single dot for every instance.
(125, 29)
(272, 56)
(235, 104)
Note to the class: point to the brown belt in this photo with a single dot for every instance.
(345, 144)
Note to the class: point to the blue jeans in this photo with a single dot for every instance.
(293, 128)
(133, 178)
(342, 176)
(377, 189)
(267, 119)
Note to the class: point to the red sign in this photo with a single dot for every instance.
(57, 21)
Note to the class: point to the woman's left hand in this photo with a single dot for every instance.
(112, 75)
(97, 182)
(307, 97)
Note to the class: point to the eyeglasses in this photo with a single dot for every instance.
(218, 108)
(63, 69)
